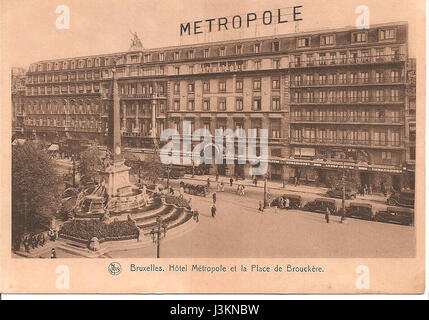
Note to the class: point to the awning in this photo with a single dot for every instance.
(18, 142)
(53, 147)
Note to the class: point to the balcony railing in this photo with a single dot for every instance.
(331, 100)
(348, 61)
(347, 82)
(354, 142)
(348, 119)
(143, 96)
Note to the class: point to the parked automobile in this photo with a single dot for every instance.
(320, 205)
(401, 198)
(294, 201)
(360, 211)
(398, 215)
(338, 193)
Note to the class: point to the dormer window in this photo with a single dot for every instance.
(276, 46)
(327, 40)
(358, 37)
(303, 42)
(146, 58)
(257, 48)
(387, 34)
(222, 51)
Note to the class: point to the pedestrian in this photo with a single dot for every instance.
(208, 183)
(195, 215)
(370, 188)
(53, 254)
(222, 186)
(327, 214)
(231, 181)
(287, 203)
(261, 207)
(27, 244)
(214, 197)
(255, 181)
(213, 210)
(296, 181)
(383, 189)
(217, 176)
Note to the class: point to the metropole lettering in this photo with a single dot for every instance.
(248, 20)
(178, 149)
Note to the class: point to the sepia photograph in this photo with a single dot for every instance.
(214, 130)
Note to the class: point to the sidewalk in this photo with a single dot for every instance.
(272, 185)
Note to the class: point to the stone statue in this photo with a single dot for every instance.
(135, 41)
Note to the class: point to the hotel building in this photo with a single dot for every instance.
(329, 99)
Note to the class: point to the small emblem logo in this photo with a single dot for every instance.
(115, 268)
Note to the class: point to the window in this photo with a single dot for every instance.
(161, 56)
(222, 85)
(412, 129)
(239, 49)
(222, 104)
(412, 153)
(276, 84)
(303, 42)
(386, 155)
(191, 105)
(176, 105)
(327, 40)
(206, 52)
(222, 51)
(387, 34)
(257, 84)
(276, 46)
(276, 64)
(239, 104)
(394, 76)
(359, 37)
(177, 70)
(257, 104)
(379, 77)
(257, 48)
(176, 55)
(239, 85)
(206, 86)
(191, 87)
(191, 54)
(258, 64)
(275, 105)
(176, 87)
(206, 105)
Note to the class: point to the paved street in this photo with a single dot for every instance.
(239, 230)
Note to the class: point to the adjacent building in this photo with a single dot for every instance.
(330, 99)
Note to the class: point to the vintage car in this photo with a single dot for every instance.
(294, 201)
(320, 205)
(401, 198)
(397, 215)
(360, 211)
(338, 193)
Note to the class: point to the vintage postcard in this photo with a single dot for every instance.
(213, 146)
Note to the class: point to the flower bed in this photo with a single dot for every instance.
(85, 230)
(177, 201)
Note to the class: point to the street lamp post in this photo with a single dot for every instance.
(265, 191)
(168, 175)
(343, 200)
(158, 233)
(74, 172)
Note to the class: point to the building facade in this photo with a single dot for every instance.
(329, 99)
(18, 81)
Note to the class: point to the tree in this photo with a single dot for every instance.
(90, 163)
(152, 169)
(35, 187)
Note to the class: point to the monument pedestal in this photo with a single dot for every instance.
(118, 180)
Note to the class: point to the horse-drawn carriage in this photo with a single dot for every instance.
(197, 190)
